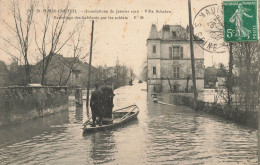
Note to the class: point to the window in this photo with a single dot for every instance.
(174, 34)
(176, 72)
(181, 52)
(170, 52)
(154, 70)
(175, 52)
(154, 48)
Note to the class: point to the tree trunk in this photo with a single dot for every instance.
(43, 81)
(169, 82)
(27, 74)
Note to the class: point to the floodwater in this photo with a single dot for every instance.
(162, 134)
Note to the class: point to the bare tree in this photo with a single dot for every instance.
(247, 61)
(167, 73)
(21, 32)
(79, 53)
(187, 76)
(226, 96)
(51, 42)
(242, 54)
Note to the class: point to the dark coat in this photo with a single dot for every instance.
(96, 103)
(108, 96)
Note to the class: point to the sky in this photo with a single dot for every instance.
(124, 39)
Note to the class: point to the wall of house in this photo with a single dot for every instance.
(164, 65)
(185, 68)
(150, 44)
(182, 85)
(154, 61)
(198, 51)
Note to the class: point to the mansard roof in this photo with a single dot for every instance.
(173, 32)
(170, 32)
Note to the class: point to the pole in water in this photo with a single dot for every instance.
(192, 58)
(89, 70)
(258, 53)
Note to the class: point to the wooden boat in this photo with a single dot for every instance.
(120, 117)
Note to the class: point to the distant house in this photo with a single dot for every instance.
(64, 71)
(220, 83)
(210, 76)
(169, 62)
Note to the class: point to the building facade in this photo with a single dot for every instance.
(169, 61)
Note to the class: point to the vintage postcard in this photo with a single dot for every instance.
(129, 82)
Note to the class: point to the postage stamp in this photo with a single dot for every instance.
(240, 21)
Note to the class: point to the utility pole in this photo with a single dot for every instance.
(89, 69)
(230, 70)
(258, 53)
(192, 58)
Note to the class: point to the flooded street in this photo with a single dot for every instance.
(162, 134)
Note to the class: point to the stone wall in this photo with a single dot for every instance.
(18, 104)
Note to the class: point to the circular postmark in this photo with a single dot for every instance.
(209, 27)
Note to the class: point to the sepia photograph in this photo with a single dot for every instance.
(129, 82)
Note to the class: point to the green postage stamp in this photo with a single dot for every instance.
(240, 21)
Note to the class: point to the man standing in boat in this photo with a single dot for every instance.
(96, 104)
(108, 96)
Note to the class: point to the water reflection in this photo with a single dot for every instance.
(103, 147)
(161, 135)
(79, 114)
(21, 132)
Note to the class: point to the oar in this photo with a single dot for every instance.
(127, 114)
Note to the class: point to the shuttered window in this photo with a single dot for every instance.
(181, 52)
(176, 72)
(175, 52)
(170, 52)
